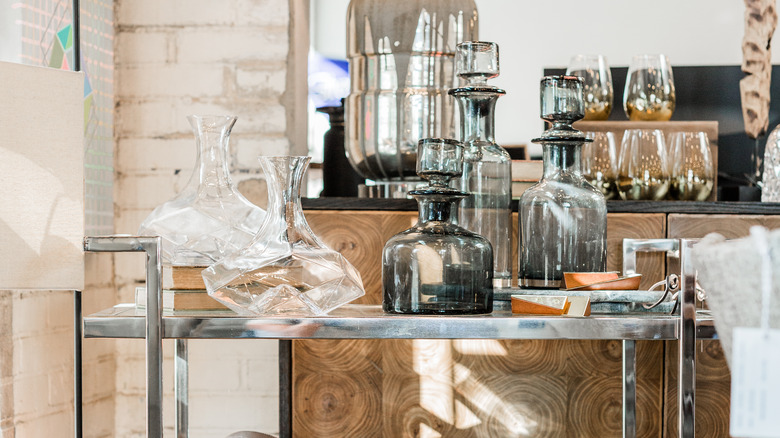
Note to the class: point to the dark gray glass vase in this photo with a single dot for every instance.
(437, 267)
(562, 219)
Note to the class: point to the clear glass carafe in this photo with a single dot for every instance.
(286, 269)
(437, 267)
(563, 219)
(209, 218)
(487, 167)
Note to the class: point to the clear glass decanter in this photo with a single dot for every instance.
(563, 219)
(437, 267)
(209, 218)
(487, 167)
(286, 269)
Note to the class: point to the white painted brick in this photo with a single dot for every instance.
(29, 313)
(266, 82)
(130, 375)
(170, 80)
(61, 388)
(231, 44)
(99, 269)
(141, 47)
(175, 12)
(55, 424)
(130, 272)
(99, 417)
(43, 352)
(263, 12)
(248, 150)
(59, 310)
(235, 412)
(142, 155)
(130, 416)
(98, 379)
(262, 377)
(147, 119)
(30, 394)
(148, 191)
(265, 117)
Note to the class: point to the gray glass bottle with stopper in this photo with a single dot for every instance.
(437, 267)
(487, 167)
(563, 219)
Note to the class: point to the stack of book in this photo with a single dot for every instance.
(525, 173)
(183, 289)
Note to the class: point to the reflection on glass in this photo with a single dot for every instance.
(599, 162)
(597, 84)
(643, 169)
(649, 92)
(692, 169)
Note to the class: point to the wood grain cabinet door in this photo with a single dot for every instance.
(713, 380)
(468, 388)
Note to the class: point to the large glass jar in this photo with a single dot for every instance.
(401, 64)
(487, 168)
(437, 267)
(562, 219)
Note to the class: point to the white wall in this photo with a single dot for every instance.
(535, 34)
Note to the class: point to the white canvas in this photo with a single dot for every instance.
(41, 178)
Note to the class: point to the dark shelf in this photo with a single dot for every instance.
(685, 207)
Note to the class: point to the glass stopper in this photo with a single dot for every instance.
(477, 61)
(562, 99)
(439, 160)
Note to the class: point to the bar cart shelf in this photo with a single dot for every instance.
(370, 322)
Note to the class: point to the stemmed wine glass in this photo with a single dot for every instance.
(597, 84)
(649, 92)
(643, 169)
(691, 166)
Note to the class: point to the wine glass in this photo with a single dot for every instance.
(691, 166)
(649, 92)
(643, 169)
(599, 162)
(597, 84)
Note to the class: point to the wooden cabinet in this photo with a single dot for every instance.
(468, 388)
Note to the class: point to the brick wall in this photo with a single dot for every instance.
(172, 59)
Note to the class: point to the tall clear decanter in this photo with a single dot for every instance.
(563, 219)
(487, 167)
(437, 267)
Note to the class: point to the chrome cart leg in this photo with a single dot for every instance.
(77, 364)
(154, 359)
(686, 405)
(285, 388)
(181, 389)
(629, 389)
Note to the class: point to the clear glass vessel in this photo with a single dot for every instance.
(649, 93)
(770, 192)
(690, 166)
(599, 162)
(487, 167)
(643, 168)
(401, 64)
(563, 219)
(437, 267)
(597, 84)
(209, 218)
(286, 269)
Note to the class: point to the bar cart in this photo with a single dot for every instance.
(369, 322)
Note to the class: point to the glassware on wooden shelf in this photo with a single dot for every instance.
(437, 267)
(209, 218)
(563, 219)
(286, 269)
(599, 162)
(691, 167)
(649, 92)
(597, 84)
(487, 167)
(643, 169)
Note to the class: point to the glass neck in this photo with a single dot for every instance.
(212, 134)
(562, 158)
(436, 209)
(284, 176)
(477, 116)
